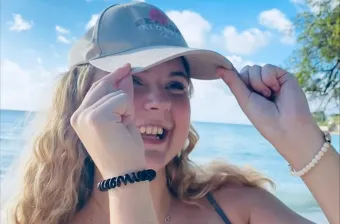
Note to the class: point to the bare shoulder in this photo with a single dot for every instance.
(246, 197)
(233, 201)
(257, 206)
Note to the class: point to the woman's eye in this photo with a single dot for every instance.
(176, 86)
(136, 81)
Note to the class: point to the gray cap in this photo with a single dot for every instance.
(144, 36)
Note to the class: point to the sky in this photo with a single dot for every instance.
(36, 36)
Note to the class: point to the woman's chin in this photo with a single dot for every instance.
(155, 159)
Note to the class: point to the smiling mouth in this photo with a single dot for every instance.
(153, 133)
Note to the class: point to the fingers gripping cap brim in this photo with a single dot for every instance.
(203, 63)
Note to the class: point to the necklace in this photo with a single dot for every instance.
(167, 219)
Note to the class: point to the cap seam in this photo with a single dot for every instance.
(99, 25)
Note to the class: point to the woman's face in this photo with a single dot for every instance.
(162, 110)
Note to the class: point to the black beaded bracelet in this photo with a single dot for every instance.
(143, 175)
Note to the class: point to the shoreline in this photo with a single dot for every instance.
(326, 128)
(334, 132)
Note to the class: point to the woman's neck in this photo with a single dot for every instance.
(99, 201)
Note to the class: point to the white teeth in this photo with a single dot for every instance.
(148, 130)
(142, 130)
(160, 131)
(151, 130)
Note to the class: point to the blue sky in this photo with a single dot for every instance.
(74, 15)
(37, 34)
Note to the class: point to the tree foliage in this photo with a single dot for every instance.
(316, 61)
(319, 116)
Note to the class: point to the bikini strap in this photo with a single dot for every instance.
(218, 209)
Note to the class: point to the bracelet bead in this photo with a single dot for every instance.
(312, 164)
(315, 160)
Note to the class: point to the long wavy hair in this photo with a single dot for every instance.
(57, 177)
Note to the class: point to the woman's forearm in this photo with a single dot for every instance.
(323, 180)
(132, 204)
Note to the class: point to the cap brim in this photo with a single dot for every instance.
(203, 63)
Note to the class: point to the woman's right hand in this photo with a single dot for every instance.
(104, 123)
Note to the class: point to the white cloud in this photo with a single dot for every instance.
(239, 62)
(200, 34)
(32, 88)
(63, 39)
(63, 35)
(92, 21)
(213, 104)
(196, 35)
(20, 24)
(276, 20)
(245, 42)
(288, 39)
(62, 30)
(25, 88)
(298, 2)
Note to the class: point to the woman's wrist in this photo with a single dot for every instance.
(304, 152)
(116, 172)
(132, 204)
(127, 168)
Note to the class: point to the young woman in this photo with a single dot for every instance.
(122, 111)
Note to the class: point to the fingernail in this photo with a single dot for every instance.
(126, 65)
(266, 93)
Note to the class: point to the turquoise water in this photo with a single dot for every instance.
(237, 144)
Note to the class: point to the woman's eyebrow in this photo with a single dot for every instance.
(179, 74)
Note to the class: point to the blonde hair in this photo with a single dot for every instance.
(58, 176)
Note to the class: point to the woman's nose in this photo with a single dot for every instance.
(158, 102)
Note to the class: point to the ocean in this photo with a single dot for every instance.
(237, 144)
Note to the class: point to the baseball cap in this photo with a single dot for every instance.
(144, 36)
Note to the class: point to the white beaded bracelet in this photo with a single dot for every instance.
(315, 160)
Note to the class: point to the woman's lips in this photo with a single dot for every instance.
(153, 139)
(153, 142)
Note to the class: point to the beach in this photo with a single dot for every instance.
(241, 145)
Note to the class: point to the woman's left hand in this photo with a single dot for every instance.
(276, 105)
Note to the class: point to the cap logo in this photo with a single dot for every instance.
(160, 22)
(156, 15)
